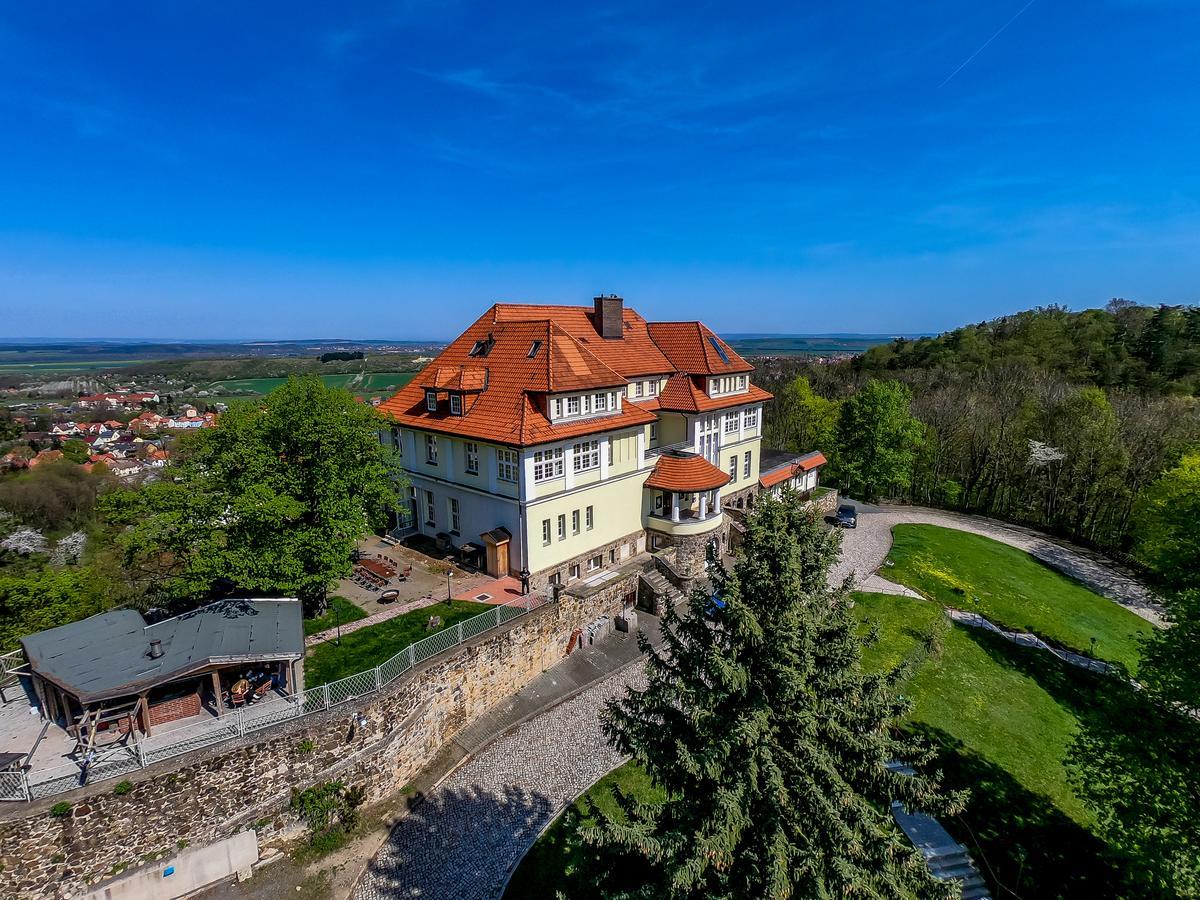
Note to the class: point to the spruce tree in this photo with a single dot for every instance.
(768, 739)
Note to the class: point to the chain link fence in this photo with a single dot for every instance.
(22, 785)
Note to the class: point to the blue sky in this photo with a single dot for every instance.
(387, 170)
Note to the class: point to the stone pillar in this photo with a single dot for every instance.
(704, 504)
(674, 506)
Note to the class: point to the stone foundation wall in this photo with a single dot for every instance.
(208, 795)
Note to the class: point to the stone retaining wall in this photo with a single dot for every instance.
(208, 795)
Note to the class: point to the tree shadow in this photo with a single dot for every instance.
(1022, 843)
(1131, 763)
(456, 844)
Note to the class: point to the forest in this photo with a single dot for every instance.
(1079, 423)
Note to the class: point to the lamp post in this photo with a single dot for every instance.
(449, 598)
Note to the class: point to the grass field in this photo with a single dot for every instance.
(44, 367)
(1012, 588)
(359, 383)
(340, 610)
(368, 647)
(1002, 718)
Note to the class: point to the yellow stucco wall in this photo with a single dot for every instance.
(617, 508)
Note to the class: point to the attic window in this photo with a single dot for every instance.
(533, 349)
(720, 350)
(431, 401)
(484, 347)
(455, 405)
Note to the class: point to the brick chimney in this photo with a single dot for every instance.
(608, 317)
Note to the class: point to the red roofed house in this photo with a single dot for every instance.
(563, 440)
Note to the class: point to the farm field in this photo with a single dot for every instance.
(371, 382)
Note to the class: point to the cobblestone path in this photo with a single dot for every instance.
(464, 840)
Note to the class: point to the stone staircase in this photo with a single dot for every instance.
(667, 593)
(947, 859)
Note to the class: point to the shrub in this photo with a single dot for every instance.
(330, 810)
(60, 809)
(306, 746)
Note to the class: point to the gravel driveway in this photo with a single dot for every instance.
(465, 839)
(866, 547)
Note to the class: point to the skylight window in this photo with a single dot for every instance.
(720, 350)
(484, 347)
(534, 348)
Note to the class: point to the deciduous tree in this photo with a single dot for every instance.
(877, 440)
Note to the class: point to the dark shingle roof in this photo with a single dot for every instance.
(107, 656)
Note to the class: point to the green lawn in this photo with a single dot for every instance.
(1012, 588)
(340, 609)
(1001, 717)
(368, 647)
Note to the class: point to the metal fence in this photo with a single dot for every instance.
(135, 755)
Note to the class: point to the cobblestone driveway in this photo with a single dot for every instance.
(866, 547)
(462, 842)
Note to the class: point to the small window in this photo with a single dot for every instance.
(752, 418)
(455, 405)
(658, 501)
(639, 389)
(653, 432)
(733, 467)
(585, 455)
(572, 406)
(545, 532)
(556, 578)
(471, 457)
(562, 527)
(600, 402)
(484, 347)
(653, 386)
(720, 350)
(741, 382)
(547, 464)
(612, 556)
(595, 563)
(589, 518)
(454, 521)
(533, 349)
(746, 465)
(558, 409)
(430, 506)
(431, 401)
(574, 521)
(575, 571)
(731, 423)
(431, 449)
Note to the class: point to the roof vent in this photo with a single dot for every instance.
(608, 316)
(156, 649)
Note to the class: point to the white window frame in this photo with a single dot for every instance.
(456, 406)
(595, 563)
(545, 532)
(639, 388)
(430, 509)
(431, 449)
(507, 464)
(573, 406)
(471, 457)
(562, 526)
(652, 388)
(573, 573)
(455, 517)
(589, 518)
(752, 418)
(547, 464)
(431, 401)
(585, 456)
(731, 422)
(574, 521)
(600, 403)
(733, 468)
(746, 464)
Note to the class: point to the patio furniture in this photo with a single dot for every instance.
(261, 691)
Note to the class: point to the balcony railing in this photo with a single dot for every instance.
(685, 446)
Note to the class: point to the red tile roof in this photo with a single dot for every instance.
(692, 347)
(514, 354)
(682, 394)
(684, 472)
(791, 469)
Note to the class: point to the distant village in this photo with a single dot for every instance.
(121, 430)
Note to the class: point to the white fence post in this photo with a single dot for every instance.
(325, 696)
(378, 678)
(497, 617)
(411, 662)
(459, 629)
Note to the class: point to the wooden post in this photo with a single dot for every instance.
(145, 714)
(216, 683)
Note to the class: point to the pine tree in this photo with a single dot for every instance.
(768, 739)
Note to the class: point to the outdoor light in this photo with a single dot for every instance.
(362, 720)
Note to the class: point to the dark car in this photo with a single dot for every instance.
(847, 516)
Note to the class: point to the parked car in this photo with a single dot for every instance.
(847, 516)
